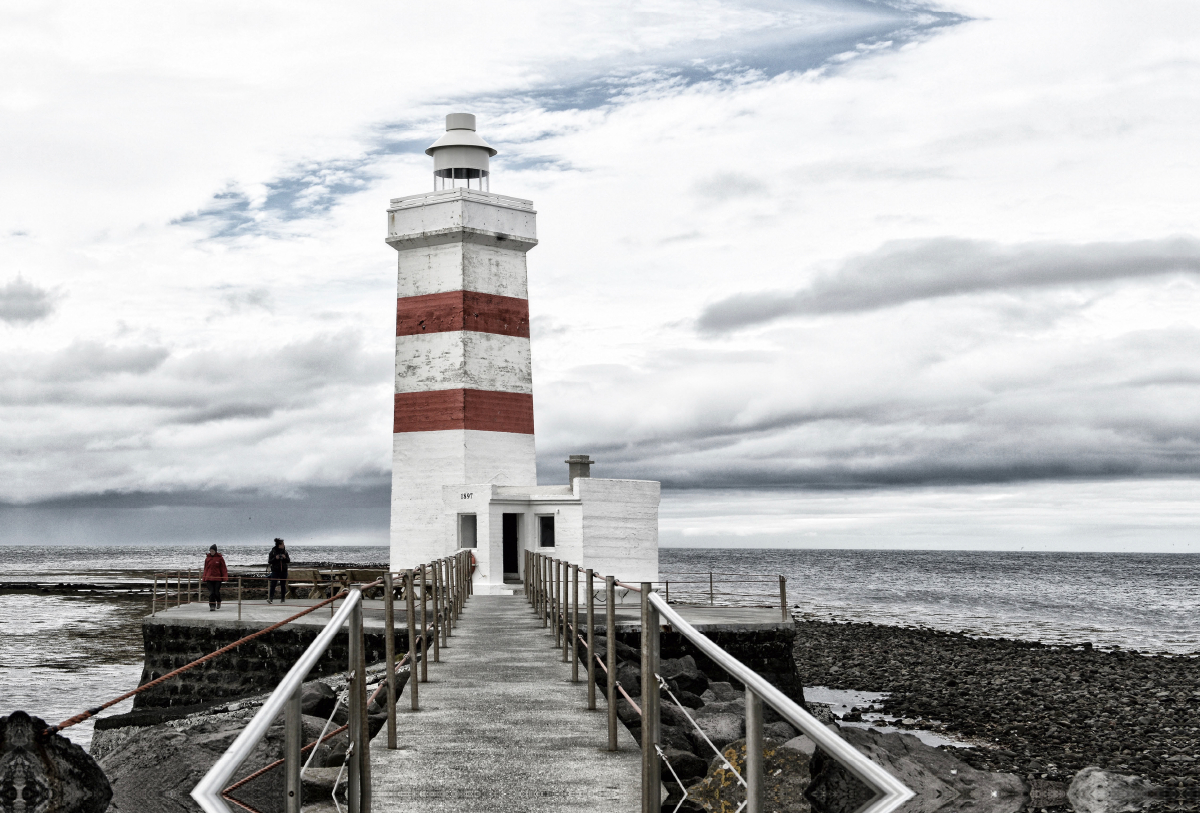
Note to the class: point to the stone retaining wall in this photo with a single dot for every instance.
(767, 651)
(252, 668)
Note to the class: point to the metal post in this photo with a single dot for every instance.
(574, 623)
(409, 606)
(178, 588)
(443, 591)
(154, 598)
(553, 574)
(565, 603)
(389, 650)
(354, 784)
(591, 648)
(364, 742)
(239, 598)
(610, 655)
(542, 590)
(424, 630)
(754, 752)
(783, 608)
(436, 612)
(293, 736)
(710, 588)
(651, 781)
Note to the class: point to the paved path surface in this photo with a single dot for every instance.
(502, 728)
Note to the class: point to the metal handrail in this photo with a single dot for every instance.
(546, 583)
(893, 792)
(445, 583)
(207, 792)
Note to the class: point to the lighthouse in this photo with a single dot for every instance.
(463, 454)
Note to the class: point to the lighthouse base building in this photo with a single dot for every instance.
(463, 458)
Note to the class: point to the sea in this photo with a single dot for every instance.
(60, 654)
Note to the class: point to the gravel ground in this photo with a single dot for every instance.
(1037, 711)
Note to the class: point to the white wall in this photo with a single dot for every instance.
(620, 527)
(424, 462)
(463, 359)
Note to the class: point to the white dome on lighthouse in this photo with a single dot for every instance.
(461, 155)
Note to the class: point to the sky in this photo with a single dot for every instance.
(839, 273)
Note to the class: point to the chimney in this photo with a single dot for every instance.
(578, 465)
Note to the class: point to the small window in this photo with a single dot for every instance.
(466, 531)
(546, 531)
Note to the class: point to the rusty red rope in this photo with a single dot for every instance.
(92, 712)
(278, 762)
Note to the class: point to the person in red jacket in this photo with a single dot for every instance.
(215, 572)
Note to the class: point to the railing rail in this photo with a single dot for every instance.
(183, 588)
(440, 588)
(546, 588)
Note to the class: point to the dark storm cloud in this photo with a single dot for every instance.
(1004, 408)
(199, 516)
(909, 270)
(22, 302)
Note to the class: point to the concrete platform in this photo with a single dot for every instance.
(257, 614)
(502, 727)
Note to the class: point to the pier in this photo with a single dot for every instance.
(502, 727)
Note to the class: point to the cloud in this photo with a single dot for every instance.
(910, 270)
(726, 185)
(22, 302)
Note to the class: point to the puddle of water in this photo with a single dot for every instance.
(842, 701)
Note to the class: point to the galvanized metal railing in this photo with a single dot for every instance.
(552, 589)
(183, 589)
(725, 589)
(440, 588)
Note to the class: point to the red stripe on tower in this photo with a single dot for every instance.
(463, 409)
(462, 310)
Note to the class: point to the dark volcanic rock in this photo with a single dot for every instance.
(47, 773)
(1046, 711)
(941, 782)
(1096, 791)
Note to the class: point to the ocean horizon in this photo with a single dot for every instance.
(61, 653)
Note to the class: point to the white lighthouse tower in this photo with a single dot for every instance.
(463, 461)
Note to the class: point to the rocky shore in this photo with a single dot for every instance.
(1041, 712)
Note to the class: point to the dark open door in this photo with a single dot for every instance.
(512, 545)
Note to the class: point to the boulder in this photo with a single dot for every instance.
(722, 693)
(786, 777)
(317, 698)
(155, 767)
(47, 772)
(1094, 790)
(624, 651)
(686, 765)
(941, 781)
(629, 675)
(721, 722)
(684, 674)
(779, 731)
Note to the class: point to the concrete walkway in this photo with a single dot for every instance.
(502, 728)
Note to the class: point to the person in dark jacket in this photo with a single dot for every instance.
(278, 560)
(215, 572)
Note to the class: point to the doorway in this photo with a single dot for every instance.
(512, 547)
